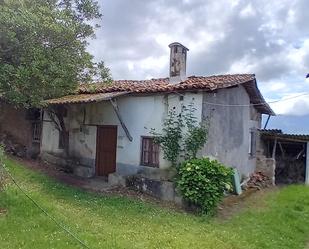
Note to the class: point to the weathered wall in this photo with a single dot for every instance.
(13, 122)
(230, 127)
(267, 167)
(228, 134)
(50, 137)
(139, 113)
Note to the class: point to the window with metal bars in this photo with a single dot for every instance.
(150, 152)
(36, 131)
(252, 143)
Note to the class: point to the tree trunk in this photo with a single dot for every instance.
(57, 116)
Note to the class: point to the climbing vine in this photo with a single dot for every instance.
(182, 136)
(196, 135)
(169, 139)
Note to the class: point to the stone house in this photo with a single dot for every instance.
(109, 125)
(20, 129)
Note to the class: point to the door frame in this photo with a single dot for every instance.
(97, 146)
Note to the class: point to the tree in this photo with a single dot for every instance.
(43, 52)
(43, 48)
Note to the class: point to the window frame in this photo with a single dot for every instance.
(36, 132)
(252, 142)
(152, 164)
(60, 141)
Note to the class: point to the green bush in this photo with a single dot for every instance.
(203, 181)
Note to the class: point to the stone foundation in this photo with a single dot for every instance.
(54, 159)
(83, 171)
(163, 190)
(152, 181)
(266, 166)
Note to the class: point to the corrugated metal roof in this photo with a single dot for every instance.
(84, 98)
(276, 133)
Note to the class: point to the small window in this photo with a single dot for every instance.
(252, 143)
(150, 152)
(61, 142)
(36, 132)
(33, 114)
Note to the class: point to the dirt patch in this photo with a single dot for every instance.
(234, 204)
(3, 211)
(52, 171)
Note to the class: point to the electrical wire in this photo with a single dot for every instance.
(256, 104)
(45, 212)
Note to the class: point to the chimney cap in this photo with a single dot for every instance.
(178, 44)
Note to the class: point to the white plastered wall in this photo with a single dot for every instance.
(139, 113)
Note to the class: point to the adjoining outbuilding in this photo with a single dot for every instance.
(289, 154)
(20, 130)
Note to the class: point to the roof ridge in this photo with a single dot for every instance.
(167, 78)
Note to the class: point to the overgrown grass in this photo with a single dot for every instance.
(116, 222)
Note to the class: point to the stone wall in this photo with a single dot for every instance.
(13, 122)
(16, 131)
(266, 166)
(152, 181)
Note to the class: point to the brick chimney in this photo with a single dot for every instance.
(178, 62)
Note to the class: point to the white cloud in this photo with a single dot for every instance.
(248, 11)
(296, 104)
(268, 38)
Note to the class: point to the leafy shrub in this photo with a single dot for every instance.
(202, 182)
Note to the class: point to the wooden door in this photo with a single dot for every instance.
(106, 150)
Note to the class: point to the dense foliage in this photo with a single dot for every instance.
(182, 136)
(203, 182)
(43, 48)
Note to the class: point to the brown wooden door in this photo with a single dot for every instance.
(106, 150)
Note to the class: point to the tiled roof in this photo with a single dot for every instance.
(89, 92)
(276, 133)
(163, 84)
(85, 98)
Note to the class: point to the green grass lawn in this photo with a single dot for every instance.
(280, 220)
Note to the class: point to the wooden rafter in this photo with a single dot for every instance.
(116, 109)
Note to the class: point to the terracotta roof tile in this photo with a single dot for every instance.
(92, 92)
(163, 85)
(85, 98)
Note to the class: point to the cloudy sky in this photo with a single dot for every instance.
(268, 38)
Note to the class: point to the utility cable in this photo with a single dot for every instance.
(257, 104)
(45, 212)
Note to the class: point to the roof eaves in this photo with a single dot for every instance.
(85, 98)
(257, 98)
